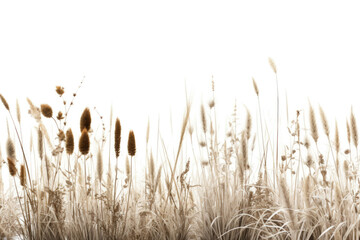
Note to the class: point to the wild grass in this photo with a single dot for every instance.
(231, 188)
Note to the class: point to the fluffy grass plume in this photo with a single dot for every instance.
(313, 125)
(354, 131)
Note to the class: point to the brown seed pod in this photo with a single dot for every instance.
(85, 120)
(69, 142)
(117, 137)
(46, 110)
(131, 144)
(84, 142)
(12, 167)
(59, 90)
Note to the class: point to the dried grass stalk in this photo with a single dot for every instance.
(40, 143)
(337, 138)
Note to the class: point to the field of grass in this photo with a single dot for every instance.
(245, 186)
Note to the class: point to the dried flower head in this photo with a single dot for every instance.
(6, 105)
(85, 120)
(84, 142)
(59, 90)
(46, 110)
(60, 116)
(69, 142)
(117, 137)
(131, 144)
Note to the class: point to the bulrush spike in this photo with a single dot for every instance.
(46, 110)
(69, 142)
(84, 142)
(85, 120)
(117, 137)
(12, 166)
(131, 144)
(22, 175)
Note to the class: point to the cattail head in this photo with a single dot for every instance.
(10, 149)
(85, 120)
(6, 105)
(40, 143)
(255, 87)
(46, 110)
(22, 175)
(131, 144)
(12, 166)
(69, 142)
(117, 137)
(84, 142)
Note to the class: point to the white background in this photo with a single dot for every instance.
(138, 55)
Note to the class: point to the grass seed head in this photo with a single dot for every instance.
(6, 105)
